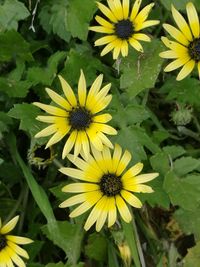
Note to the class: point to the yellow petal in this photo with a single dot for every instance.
(101, 29)
(143, 178)
(141, 37)
(80, 187)
(103, 118)
(168, 54)
(186, 70)
(105, 140)
(105, 40)
(131, 199)
(123, 162)
(51, 109)
(117, 49)
(69, 144)
(177, 63)
(135, 44)
(95, 213)
(58, 99)
(78, 144)
(94, 89)
(124, 48)
(116, 157)
(125, 7)
(176, 34)
(47, 131)
(82, 89)
(103, 215)
(68, 91)
(143, 14)
(180, 50)
(15, 258)
(133, 171)
(107, 12)
(9, 226)
(135, 9)
(55, 139)
(20, 251)
(146, 24)
(112, 211)
(193, 19)
(85, 144)
(123, 209)
(104, 22)
(19, 239)
(181, 23)
(73, 200)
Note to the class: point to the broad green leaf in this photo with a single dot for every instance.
(185, 165)
(192, 258)
(53, 18)
(127, 115)
(186, 91)
(181, 5)
(189, 221)
(134, 138)
(182, 191)
(79, 17)
(78, 59)
(11, 12)
(13, 46)
(96, 247)
(27, 113)
(72, 235)
(159, 197)
(160, 162)
(45, 75)
(140, 71)
(59, 264)
(5, 122)
(174, 151)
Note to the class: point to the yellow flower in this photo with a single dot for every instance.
(106, 186)
(78, 118)
(122, 26)
(185, 50)
(10, 252)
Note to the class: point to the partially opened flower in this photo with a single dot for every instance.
(106, 185)
(122, 26)
(185, 50)
(78, 118)
(10, 251)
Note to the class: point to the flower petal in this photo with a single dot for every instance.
(131, 199)
(123, 209)
(193, 19)
(69, 144)
(68, 91)
(82, 89)
(186, 70)
(9, 226)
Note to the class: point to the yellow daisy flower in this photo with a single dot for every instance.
(106, 186)
(10, 252)
(185, 50)
(122, 26)
(78, 118)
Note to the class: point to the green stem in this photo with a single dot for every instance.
(188, 132)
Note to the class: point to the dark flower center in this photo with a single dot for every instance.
(124, 29)
(194, 49)
(3, 242)
(110, 184)
(80, 118)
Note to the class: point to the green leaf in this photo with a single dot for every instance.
(13, 46)
(27, 113)
(182, 91)
(78, 59)
(46, 75)
(5, 122)
(174, 151)
(96, 247)
(140, 72)
(159, 197)
(79, 17)
(160, 162)
(11, 12)
(134, 138)
(192, 258)
(71, 235)
(189, 221)
(181, 5)
(182, 191)
(53, 18)
(185, 165)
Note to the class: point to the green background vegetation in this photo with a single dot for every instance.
(156, 118)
